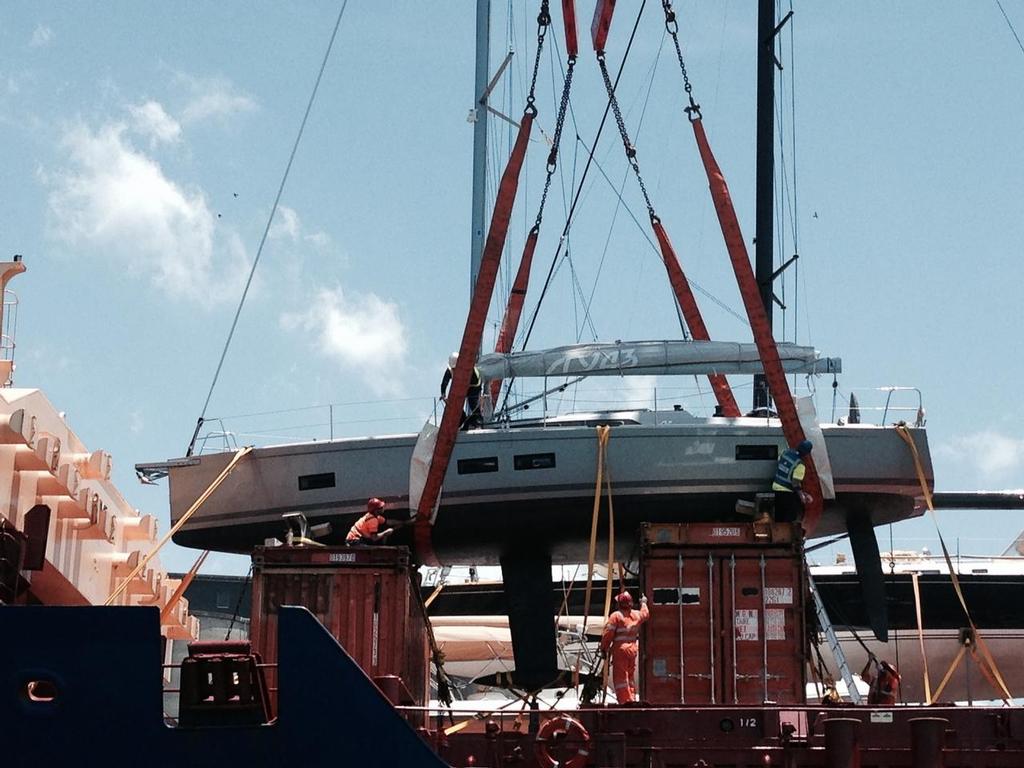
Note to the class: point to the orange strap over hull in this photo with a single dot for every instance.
(691, 313)
(758, 317)
(470, 346)
(514, 310)
(572, 47)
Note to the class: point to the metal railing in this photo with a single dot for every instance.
(548, 399)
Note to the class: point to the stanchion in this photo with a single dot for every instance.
(842, 742)
(927, 736)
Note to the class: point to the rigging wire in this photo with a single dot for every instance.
(583, 177)
(270, 219)
(1010, 25)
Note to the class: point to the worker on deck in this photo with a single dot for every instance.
(621, 635)
(789, 477)
(883, 682)
(471, 417)
(371, 528)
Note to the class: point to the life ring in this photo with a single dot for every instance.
(563, 741)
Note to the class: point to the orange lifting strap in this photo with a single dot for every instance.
(572, 47)
(694, 320)
(766, 348)
(602, 23)
(470, 346)
(510, 322)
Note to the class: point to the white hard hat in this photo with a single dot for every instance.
(453, 358)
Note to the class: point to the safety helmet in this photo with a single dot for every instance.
(453, 358)
(375, 505)
(624, 600)
(805, 447)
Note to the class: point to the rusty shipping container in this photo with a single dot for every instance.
(366, 597)
(727, 619)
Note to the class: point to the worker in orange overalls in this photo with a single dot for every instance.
(371, 528)
(883, 682)
(620, 636)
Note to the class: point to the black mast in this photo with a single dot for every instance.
(765, 185)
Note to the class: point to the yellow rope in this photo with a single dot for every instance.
(602, 442)
(168, 609)
(989, 667)
(920, 639)
(950, 671)
(242, 452)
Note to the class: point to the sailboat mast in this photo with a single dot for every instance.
(483, 51)
(765, 184)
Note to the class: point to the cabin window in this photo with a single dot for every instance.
(979, 570)
(757, 453)
(535, 461)
(315, 482)
(477, 466)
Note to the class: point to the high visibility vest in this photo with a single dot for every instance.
(623, 628)
(787, 470)
(365, 527)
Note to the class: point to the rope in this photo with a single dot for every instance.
(238, 603)
(168, 609)
(242, 453)
(920, 639)
(987, 664)
(1010, 25)
(270, 219)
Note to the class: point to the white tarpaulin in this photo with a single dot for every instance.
(419, 467)
(650, 357)
(819, 452)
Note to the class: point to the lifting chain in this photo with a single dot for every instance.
(672, 27)
(627, 145)
(556, 140)
(543, 22)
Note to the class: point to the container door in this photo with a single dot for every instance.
(679, 640)
(763, 622)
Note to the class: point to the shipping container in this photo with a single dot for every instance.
(727, 621)
(366, 597)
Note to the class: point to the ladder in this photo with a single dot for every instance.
(833, 642)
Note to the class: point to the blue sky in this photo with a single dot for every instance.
(144, 143)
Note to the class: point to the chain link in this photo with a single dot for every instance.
(672, 27)
(543, 22)
(556, 140)
(627, 145)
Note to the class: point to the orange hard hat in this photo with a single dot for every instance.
(375, 505)
(624, 600)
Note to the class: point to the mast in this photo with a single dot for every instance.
(483, 51)
(765, 184)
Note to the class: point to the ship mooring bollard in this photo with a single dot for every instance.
(842, 742)
(927, 736)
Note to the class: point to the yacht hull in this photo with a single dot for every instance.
(505, 486)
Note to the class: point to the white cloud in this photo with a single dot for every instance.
(42, 36)
(152, 121)
(116, 199)
(288, 226)
(212, 97)
(993, 455)
(364, 333)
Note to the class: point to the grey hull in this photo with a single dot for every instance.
(537, 484)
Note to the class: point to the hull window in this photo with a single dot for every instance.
(314, 482)
(535, 461)
(476, 466)
(757, 453)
